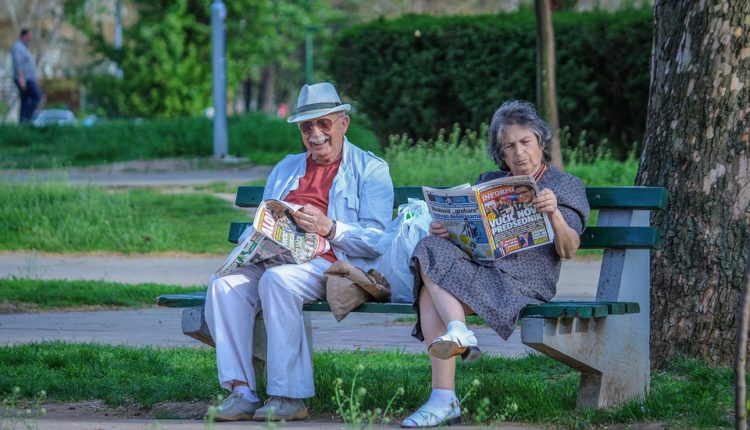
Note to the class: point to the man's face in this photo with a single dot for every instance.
(27, 38)
(525, 194)
(324, 137)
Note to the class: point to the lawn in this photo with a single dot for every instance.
(533, 389)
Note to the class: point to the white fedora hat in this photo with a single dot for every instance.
(317, 100)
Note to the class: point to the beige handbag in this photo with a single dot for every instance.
(347, 287)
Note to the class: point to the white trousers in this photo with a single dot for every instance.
(232, 303)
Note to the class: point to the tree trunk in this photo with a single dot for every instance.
(697, 145)
(267, 102)
(546, 90)
(740, 361)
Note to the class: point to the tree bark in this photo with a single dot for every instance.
(546, 90)
(266, 93)
(697, 146)
(740, 361)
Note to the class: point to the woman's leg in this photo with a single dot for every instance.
(443, 371)
(445, 304)
(442, 406)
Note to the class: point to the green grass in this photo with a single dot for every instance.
(688, 394)
(460, 157)
(262, 139)
(45, 294)
(58, 217)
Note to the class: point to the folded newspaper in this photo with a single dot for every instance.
(274, 238)
(492, 219)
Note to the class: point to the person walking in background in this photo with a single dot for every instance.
(24, 75)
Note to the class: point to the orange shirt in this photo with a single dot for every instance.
(313, 190)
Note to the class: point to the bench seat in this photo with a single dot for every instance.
(566, 309)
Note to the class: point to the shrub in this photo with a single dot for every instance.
(262, 139)
(418, 74)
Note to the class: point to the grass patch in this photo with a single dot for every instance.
(460, 156)
(544, 391)
(45, 294)
(58, 217)
(262, 139)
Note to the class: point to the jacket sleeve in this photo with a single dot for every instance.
(366, 213)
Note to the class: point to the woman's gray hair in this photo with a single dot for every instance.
(521, 113)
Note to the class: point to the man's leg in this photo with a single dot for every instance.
(232, 303)
(283, 290)
(34, 94)
(23, 102)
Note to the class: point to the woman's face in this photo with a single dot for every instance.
(521, 150)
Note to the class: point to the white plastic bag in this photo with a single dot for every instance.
(396, 245)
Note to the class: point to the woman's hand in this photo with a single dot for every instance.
(437, 229)
(312, 220)
(567, 240)
(545, 201)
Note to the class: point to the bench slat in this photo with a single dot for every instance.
(649, 198)
(545, 310)
(593, 237)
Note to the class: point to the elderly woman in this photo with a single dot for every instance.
(448, 285)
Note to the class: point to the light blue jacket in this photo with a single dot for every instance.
(360, 199)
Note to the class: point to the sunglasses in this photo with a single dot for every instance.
(324, 124)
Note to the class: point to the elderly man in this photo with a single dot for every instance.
(345, 192)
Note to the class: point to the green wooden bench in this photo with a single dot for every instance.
(607, 339)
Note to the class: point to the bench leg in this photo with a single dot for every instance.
(613, 363)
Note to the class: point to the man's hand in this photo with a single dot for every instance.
(312, 220)
(437, 229)
(22, 82)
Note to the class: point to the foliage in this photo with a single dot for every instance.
(57, 217)
(426, 73)
(45, 294)
(532, 389)
(260, 138)
(164, 66)
(460, 157)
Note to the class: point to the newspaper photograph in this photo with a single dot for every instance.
(274, 238)
(493, 219)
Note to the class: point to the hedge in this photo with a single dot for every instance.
(418, 74)
(260, 138)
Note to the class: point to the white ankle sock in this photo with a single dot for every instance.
(246, 392)
(457, 325)
(442, 398)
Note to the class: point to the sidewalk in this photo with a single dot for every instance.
(161, 326)
(150, 173)
(141, 424)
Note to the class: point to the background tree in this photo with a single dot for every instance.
(697, 144)
(546, 76)
(165, 58)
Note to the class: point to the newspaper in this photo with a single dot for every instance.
(492, 219)
(274, 238)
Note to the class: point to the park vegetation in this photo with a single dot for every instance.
(425, 73)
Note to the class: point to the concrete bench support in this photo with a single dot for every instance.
(611, 353)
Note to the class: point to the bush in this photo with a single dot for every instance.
(262, 139)
(460, 156)
(418, 74)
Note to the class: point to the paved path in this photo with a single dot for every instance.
(161, 326)
(136, 424)
(151, 173)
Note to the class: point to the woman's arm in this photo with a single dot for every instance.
(567, 240)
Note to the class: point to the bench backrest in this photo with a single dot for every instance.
(600, 198)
